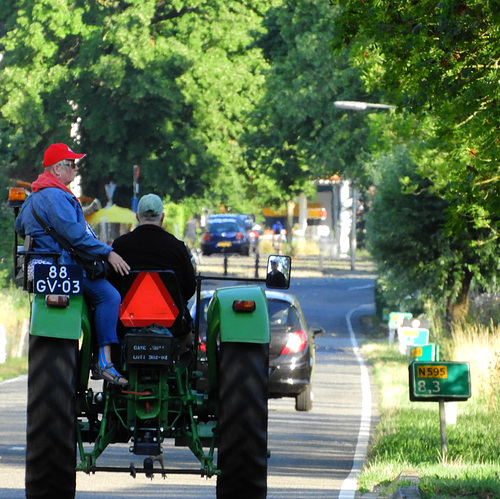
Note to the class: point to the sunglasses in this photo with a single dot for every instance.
(70, 164)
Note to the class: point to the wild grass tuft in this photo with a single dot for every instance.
(13, 368)
(480, 346)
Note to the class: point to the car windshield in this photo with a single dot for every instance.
(247, 223)
(220, 227)
(282, 313)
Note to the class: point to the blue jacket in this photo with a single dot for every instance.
(62, 211)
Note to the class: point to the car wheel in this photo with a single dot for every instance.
(304, 400)
(242, 457)
(51, 418)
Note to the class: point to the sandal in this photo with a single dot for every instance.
(110, 374)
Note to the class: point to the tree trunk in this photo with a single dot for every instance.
(303, 212)
(457, 309)
(290, 207)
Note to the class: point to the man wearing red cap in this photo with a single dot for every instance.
(56, 205)
(58, 152)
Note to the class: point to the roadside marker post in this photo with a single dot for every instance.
(429, 352)
(385, 314)
(395, 321)
(413, 332)
(436, 381)
(410, 337)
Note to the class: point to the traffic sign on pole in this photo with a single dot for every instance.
(425, 353)
(439, 381)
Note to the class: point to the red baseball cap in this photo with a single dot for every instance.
(58, 152)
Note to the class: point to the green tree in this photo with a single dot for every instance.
(165, 86)
(300, 135)
(438, 61)
(223, 84)
(96, 68)
(406, 233)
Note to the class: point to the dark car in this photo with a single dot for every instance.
(253, 230)
(291, 351)
(225, 234)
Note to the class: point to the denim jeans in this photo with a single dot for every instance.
(106, 301)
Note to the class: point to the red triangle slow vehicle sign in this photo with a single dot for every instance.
(148, 302)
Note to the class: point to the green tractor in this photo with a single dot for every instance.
(215, 403)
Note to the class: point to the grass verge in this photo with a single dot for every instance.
(13, 368)
(408, 440)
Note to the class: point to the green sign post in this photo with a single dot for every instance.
(396, 319)
(429, 352)
(439, 382)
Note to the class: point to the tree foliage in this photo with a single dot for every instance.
(159, 84)
(438, 61)
(406, 234)
(300, 135)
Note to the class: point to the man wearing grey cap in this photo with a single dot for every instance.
(150, 247)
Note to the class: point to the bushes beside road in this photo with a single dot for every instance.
(14, 314)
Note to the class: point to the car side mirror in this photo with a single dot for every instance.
(317, 331)
(278, 272)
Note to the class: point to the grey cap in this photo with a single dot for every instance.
(150, 205)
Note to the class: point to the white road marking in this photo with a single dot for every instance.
(350, 484)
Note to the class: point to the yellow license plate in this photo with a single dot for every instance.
(432, 372)
(224, 244)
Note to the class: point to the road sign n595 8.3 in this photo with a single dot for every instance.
(436, 381)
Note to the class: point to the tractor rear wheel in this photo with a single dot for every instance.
(242, 456)
(51, 418)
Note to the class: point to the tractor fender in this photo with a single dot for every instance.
(242, 327)
(64, 323)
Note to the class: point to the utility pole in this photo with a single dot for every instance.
(357, 106)
(353, 240)
(135, 187)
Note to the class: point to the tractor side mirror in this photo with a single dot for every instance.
(278, 272)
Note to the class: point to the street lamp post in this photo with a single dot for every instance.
(353, 239)
(357, 106)
(335, 179)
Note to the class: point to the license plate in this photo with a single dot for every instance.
(432, 372)
(149, 349)
(58, 279)
(224, 244)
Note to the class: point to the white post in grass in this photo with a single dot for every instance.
(442, 427)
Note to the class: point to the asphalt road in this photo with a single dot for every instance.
(313, 455)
